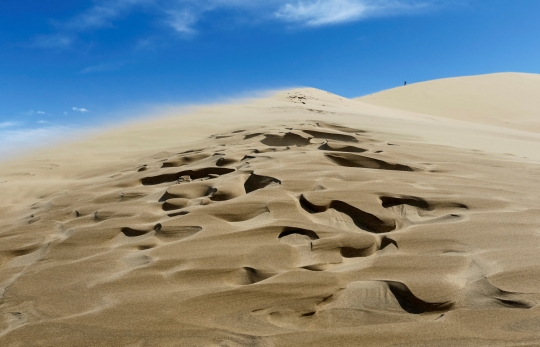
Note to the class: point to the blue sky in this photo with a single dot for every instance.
(70, 64)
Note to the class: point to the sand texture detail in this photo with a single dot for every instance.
(314, 232)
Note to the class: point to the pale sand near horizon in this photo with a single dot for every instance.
(302, 219)
(508, 100)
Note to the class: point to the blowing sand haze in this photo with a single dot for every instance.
(302, 219)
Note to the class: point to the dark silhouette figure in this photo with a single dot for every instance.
(405, 83)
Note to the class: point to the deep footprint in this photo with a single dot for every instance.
(412, 304)
(193, 174)
(361, 219)
(353, 160)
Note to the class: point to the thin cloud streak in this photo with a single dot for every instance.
(52, 41)
(100, 15)
(102, 68)
(7, 125)
(82, 110)
(309, 13)
(182, 21)
(182, 16)
(103, 14)
(331, 12)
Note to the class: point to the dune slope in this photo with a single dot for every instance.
(304, 219)
(503, 99)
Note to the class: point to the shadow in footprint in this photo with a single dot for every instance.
(351, 252)
(331, 136)
(353, 160)
(255, 182)
(184, 160)
(386, 241)
(22, 251)
(363, 220)
(340, 148)
(293, 231)
(255, 276)
(339, 127)
(515, 303)
(412, 304)
(288, 139)
(389, 201)
(177, 231)
(250, 136)
(129, 232)
(193, 174)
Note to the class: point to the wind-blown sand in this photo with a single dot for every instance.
(303, 219)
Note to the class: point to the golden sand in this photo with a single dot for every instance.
(302, 219)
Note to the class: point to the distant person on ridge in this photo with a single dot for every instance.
(405, 83)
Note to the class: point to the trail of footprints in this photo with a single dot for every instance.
(254, 184)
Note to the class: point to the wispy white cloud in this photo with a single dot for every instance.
(182, 16)
(328, 12)
(52, 41)
(322, 12)
(148, 43)
(310, 13)
(82, 109)
(182, 21)
(43, 122)
(7, 124)
(103, 13)
(32, 112)
(102, 67)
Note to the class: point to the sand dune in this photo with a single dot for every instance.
(504, 99)
(302, 219)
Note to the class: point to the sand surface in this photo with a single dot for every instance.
(302, 219)
(510, 100)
